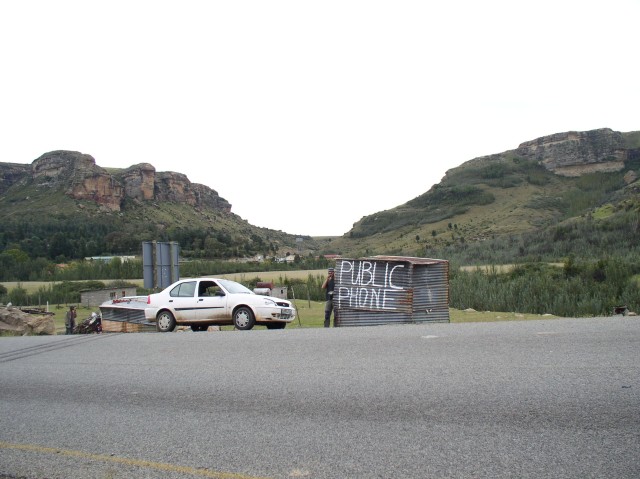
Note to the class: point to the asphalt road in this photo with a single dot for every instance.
(541, 399)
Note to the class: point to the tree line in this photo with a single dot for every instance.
(59, 239)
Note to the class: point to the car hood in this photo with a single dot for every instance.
(273, 298)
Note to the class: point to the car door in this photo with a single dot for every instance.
(212, 302)
(183, 301)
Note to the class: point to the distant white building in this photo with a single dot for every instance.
(269, 289)
(286, 259)
(107, 259)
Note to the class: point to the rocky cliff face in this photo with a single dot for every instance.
(80, 178)
(12, 173)
(576, 153)
(139, 181)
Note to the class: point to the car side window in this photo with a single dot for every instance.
(184, 290)
(208, 288)
(216, 290)
(204, 288)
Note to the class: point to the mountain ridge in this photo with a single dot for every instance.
(540, 183)
(62, 189)
(82, 179)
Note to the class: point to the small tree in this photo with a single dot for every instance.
(18, 296)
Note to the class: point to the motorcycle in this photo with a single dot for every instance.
(91, 325)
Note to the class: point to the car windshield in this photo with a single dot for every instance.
(233, 287)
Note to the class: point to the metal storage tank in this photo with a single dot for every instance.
(390, 289)
(160, 263)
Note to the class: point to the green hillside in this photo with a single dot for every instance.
(572, 240)
(504, 208)
(45, 222)
(511, 207)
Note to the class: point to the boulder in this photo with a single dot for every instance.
(17, 322)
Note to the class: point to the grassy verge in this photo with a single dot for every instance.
(471, 316)
(311, 315)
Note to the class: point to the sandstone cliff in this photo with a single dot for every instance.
(572, 153)
(12, 173)
(80, 178)
(576, 153)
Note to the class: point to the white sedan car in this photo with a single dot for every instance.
(202, 302)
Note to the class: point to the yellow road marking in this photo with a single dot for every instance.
(128, 462)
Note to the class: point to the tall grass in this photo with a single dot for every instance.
(578, 289)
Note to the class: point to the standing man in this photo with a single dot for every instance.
(70, 319)
(329, 284)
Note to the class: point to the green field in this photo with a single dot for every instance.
(267, 276)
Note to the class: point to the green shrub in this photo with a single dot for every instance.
(591, 288)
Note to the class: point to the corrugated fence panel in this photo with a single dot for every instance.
(431, 293)
(129, 315)
(391, 289)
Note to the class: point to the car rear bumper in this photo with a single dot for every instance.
(150, 314)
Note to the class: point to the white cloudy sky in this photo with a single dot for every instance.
(307, 116)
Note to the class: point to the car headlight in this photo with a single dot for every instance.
(269, 302)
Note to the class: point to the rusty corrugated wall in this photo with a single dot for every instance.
(391, 289)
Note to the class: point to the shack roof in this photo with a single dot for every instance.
(409, 259)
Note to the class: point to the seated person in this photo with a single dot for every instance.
(210, 289)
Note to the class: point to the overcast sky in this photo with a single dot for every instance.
(307, 116)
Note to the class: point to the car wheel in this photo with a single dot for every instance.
(165, 322)
(276, 325)
(243, 318)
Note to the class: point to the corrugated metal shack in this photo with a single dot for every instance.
(391, 289)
